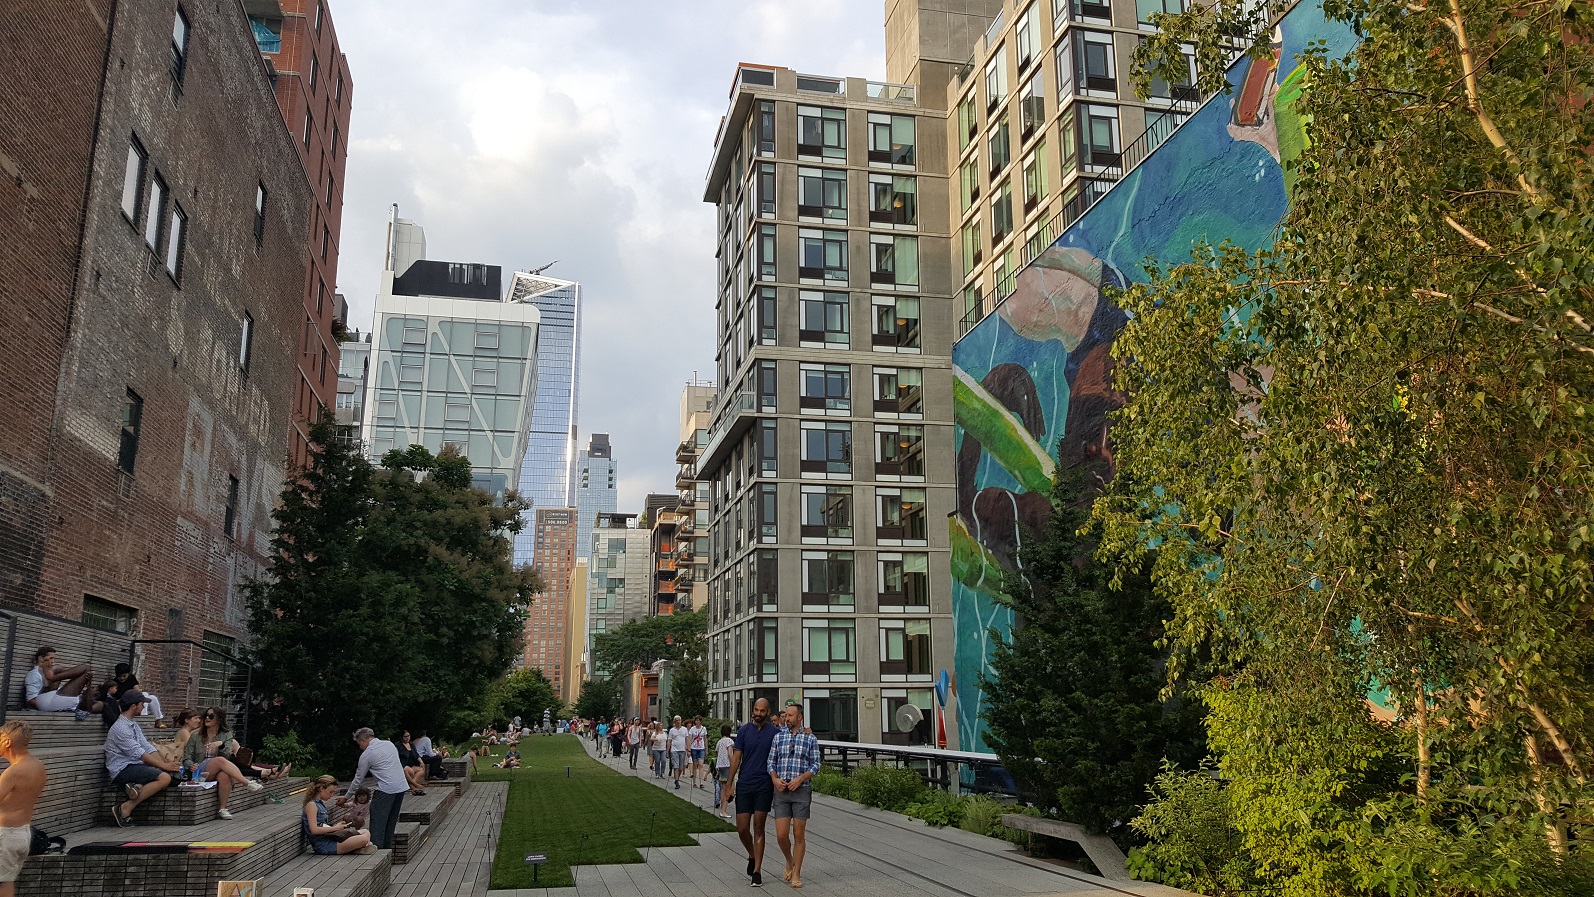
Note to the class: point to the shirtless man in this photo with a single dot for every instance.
(20, 786)
(42, 691)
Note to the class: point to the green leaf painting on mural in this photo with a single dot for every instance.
(972, 563)
(1002, 435)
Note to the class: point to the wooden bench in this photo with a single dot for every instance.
(407, 840)
(74, 643)
(1106, 856)
(58, 731)
(177, 805)
(353, 875)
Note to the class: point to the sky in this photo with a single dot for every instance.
(520, 132)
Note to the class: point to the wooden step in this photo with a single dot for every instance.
(353, 875)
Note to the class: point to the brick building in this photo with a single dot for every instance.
(153, 269)
(314, 94)
(554, 538)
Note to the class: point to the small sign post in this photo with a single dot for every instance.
(535, 861)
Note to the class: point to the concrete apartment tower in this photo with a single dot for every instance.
(554, 536)
(453, 365)
(150, 319)
(691, 506)
(829, 460)
(620, 574)
(548, 472)
(315, 92)
(576, 633)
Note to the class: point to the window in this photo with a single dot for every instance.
(766, 252)
(484, 378)
(827, 448)
(487, 339)
(411, 368)
(1145, 9)
(133, 179)
(827, 580)
(331, 187)
(821, 132)
(768, 448)
(898, 391)
(768, 513)
(766, 316)
(968, 120)
(896, 323)
(893, 199)
(904, 649)
(825, 387)
(246, 342)
(386, 409)
(132, 425)
(827, 513)
(1027, 35)
(326, 240)
(823, 319)
(894, 261)
(822, 193)
(1183, 90)
(108, 615)
(179, 60)
(969, 181)
(415, 336)
(1094, 53)
(766, 128)
(308, 122)
(766, 190)
(1002, 212)
(972, 247)
(764, 578)
(1098, 135)
(1032, 104)
(230, 516)
(828, 651)
(900, 451)
(335, 127)
(260, 214)
(320, 8)
(1000, 147)
(823, 255)
(337, 97)
(996, 79)
(765, 375)
(902, 516)
(314, 69)
(891, 138)
(176, 236)
(156, 214)
(904, 580)
(456, 411)
(1093, 9)
(1065, 70)
(1035, 189)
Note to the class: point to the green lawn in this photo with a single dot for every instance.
(596, 815)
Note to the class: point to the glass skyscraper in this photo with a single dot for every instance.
(595, 490)
(548, 471)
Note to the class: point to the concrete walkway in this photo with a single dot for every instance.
(851, 850)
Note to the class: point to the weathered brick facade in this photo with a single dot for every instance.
(154, 540)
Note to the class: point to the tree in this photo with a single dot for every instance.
(1074, 706)
(388, 590)
(689, 687)
(526, 694)
(600, 699)
(1363, 458)
(641, 642)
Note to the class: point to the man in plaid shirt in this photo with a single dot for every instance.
(793, 762)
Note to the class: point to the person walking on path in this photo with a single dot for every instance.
(793, 762)
(722, 769)
(696, 745)
(658, 746)
(633, 739)
(678, 737)
(600, 735)
(754, 790)
(379, 759)
(20, 787)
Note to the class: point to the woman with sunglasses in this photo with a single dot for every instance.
(202, 755)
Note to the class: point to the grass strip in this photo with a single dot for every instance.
(596, 815)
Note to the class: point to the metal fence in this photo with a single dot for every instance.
(954, 771)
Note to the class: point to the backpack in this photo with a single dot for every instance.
(43, 843)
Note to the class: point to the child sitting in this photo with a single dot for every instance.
(358, 814)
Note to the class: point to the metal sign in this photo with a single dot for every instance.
(536, 859)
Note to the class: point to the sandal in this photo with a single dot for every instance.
(796, 882)
(786, 876)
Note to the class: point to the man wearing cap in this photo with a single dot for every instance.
(132, 761)
(380, 760)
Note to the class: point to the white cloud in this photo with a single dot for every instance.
(522, 132)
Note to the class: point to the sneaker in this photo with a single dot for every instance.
(253, 785)
(223, 813)
(82, 715)
(677, 784)
(122, 821)
(369, 848)
(758, 879)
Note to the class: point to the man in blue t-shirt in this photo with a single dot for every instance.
(754, 791)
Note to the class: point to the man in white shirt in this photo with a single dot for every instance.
(380, 760)
(429, 756)
(634, 736)
(678, 738)
(697, 744)
(57, 690)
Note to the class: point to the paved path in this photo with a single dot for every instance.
(457, 858)
(852, 850)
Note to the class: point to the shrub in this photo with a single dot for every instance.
(287, 748)
(937, 807)
(1194, 843)
(886, 787)
(829, 781)
(982, 815)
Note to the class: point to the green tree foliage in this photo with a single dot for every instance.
(1074, 707)
(1363, 458)
(599, 699)
(522, 693)
(641, 642)
(392, 597)
(689, 687)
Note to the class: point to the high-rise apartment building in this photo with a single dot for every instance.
(691, 505)
(315, 92)
(453, 365)
(829, 460)
(548, 472)
(554, 534)
(620, 577)
(354, 362)
(595, 487)
(1043, 119)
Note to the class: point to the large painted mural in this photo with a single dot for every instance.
(1032, 387)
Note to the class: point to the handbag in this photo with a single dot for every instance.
(244, 757)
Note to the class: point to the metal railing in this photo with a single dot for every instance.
(940, 768)
(11, 649)
(199, 688)
(884, 90)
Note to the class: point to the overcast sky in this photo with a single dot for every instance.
(518, 132)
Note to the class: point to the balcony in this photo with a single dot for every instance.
(686, 452)
(735, 417)
(686, 476)
(891, 93)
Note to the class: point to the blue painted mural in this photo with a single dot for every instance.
(1032, 387)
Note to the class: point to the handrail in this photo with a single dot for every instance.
(249, 682)
(5, 678)
(938, 764)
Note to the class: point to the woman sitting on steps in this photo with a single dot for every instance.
(326, 838)
(204, 755)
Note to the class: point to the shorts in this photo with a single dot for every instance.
(326, 847)
(697, 755)
(794, 804)
(138, 774)
(678, 759)
(55, 702)
(720, 773)
(14, 844)
(754, 800)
